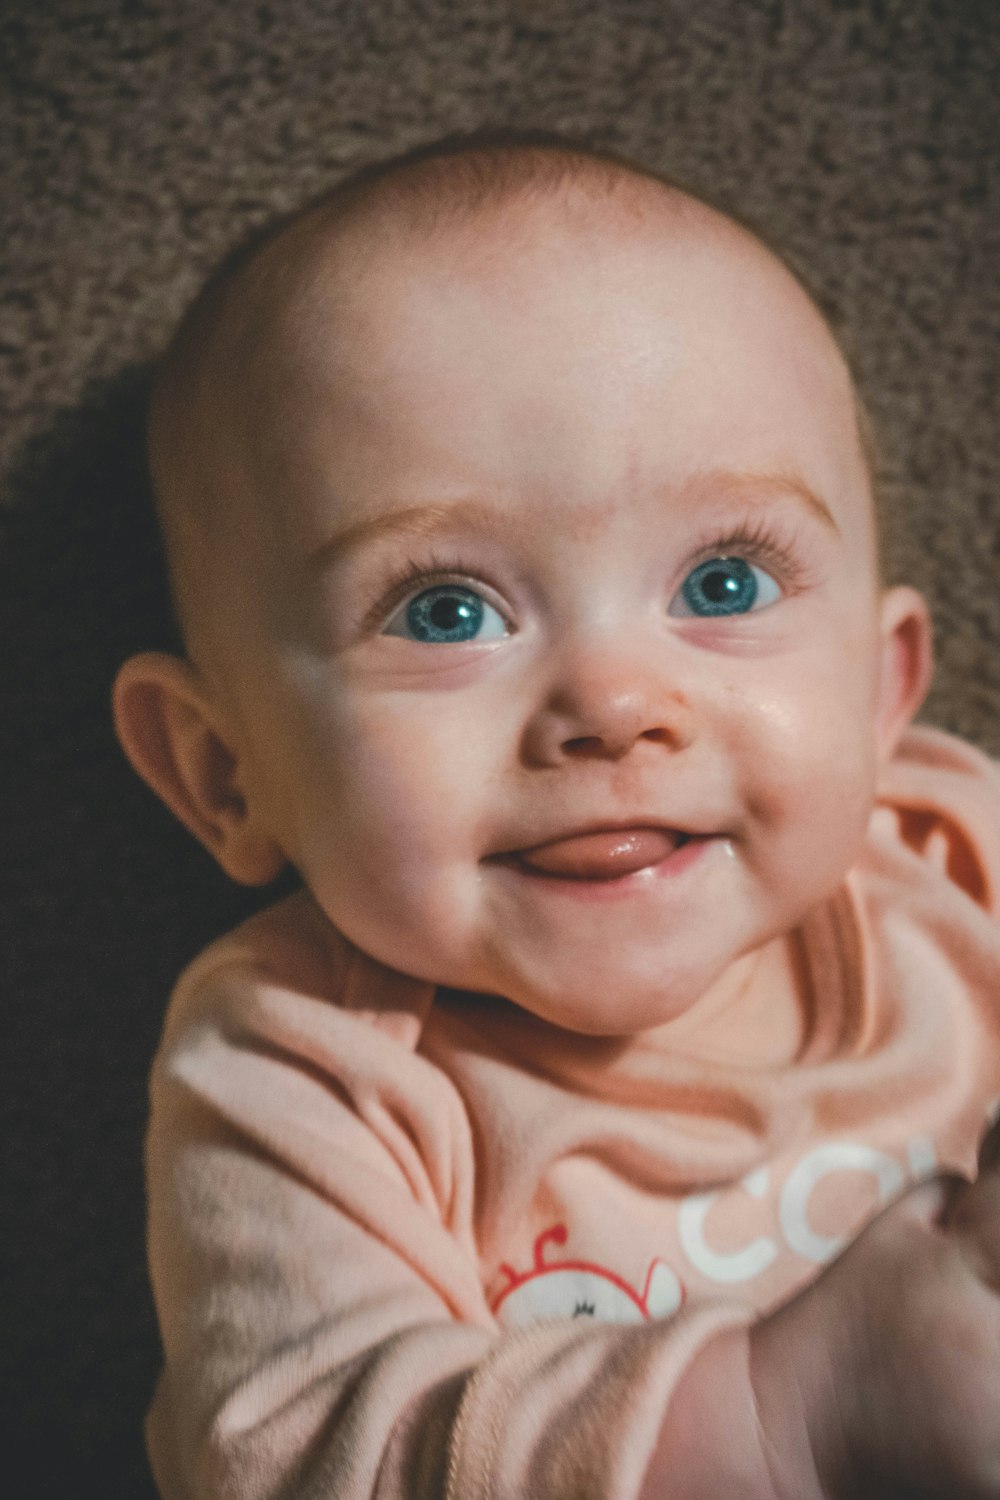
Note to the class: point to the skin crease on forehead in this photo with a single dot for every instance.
(569, 408)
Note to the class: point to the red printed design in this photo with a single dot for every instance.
(582, 1289)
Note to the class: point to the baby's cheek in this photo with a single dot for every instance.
(422, 773)
(411, 792)
(811, 766)
(379, 867)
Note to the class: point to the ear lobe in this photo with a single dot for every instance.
(174, 740)
(906, 665)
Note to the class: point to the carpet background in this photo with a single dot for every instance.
(138, 141)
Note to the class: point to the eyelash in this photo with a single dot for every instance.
(761, 542)
(758, 541)
(427, 571)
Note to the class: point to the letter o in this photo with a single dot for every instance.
(834, 1156)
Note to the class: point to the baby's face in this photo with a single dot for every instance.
(559, 675)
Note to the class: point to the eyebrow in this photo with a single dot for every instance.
(425, 520)
(409, 520)
(757, 488)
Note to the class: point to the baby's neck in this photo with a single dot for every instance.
(756, 1013)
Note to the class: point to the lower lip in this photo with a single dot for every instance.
(676, 863)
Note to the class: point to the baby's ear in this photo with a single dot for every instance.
(906, 664)
(176, 741)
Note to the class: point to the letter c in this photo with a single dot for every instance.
(737, 1265)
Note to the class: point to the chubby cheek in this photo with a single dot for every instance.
(389, 841)
(808, 768)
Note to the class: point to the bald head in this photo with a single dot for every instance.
(268, 332)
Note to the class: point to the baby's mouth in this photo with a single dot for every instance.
(603, 854)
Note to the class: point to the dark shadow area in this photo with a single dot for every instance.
(104, 899)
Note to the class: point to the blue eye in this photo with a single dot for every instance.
(447, 614)
(724, 586)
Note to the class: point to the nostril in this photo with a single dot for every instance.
(658, 736)
(584, 744)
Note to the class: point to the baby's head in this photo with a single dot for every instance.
(521, 532)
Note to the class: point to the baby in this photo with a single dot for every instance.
(521, 531)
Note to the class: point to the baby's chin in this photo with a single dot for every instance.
(610, 988)
(616, 1004)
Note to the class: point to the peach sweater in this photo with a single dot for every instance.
(411, 1243)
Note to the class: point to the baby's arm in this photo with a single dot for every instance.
(315, 1270)
(881, 1379)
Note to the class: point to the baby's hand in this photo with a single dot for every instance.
(882, 1378)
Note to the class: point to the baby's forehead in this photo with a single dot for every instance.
(332, 311)
(370, 304)
(253, 374)
(338, 272)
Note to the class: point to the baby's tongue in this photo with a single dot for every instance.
(602, 856)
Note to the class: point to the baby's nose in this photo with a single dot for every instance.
(603, 709)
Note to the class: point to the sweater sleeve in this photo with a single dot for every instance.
(325, 1331)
